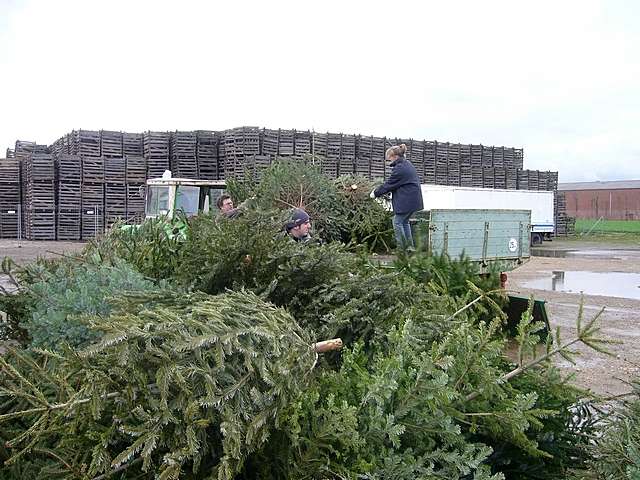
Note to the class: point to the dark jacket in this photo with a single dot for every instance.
(404, 185)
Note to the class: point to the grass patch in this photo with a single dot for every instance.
(583, 225)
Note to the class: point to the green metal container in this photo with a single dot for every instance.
(488, 237)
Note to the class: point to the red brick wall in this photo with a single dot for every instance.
(610, 204)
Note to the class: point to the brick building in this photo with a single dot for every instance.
(617, 200)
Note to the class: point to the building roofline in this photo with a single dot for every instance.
(600, 185)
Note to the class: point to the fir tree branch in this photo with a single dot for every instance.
(584, 336)
(119, 469)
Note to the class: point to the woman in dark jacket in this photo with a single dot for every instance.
(406, 196)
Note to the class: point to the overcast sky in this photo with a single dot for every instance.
(560, 79)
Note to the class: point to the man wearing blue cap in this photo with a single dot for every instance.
(299, 225)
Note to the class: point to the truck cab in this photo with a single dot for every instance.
(166, 196)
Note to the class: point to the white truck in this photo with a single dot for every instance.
(539, 202)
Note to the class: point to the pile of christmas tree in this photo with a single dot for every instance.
(150, 356)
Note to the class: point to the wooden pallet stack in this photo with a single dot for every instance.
(269, 140)
(509, 157)
(85, 143)
(182, 152)
(238, 144)
(523, 179)
(319, 154)
(476, 155)
(518, 158)
(369, 160)
(207, 155)
(347, 159)
(24, 149)
(301, 143)
(92, 197)
(488, 177)
(135, 178)
(466, 176)
(498, 157)
(487, 156)
(61, 146)
(334, 145)
(111, 144)
(453, 173)
(69, 196)
(155, 146)
(9, 198)
(115, 190)
(132, 144)
(442, 163)
(38, 190)
(562, 221)
(477, 180)
(364, 156)
(429, 162)
(286, 142)
(235, 152)
(416, 155)
(512, 178)
(500, 177)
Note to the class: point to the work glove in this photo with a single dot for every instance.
(372, 194)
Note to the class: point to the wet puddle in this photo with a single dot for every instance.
(590, 253)
(609, 284)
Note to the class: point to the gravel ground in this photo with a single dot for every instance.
(602, 374)
(24, 251)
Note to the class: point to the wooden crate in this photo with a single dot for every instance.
(115, 170)
(182, 152)
(135, 169)
(69, 168)
(85, 143)
(111, 144)
(207, 155)
(68, 224)
(92, 170)
(132, 144)
(156, 152)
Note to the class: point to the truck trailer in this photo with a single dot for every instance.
(539, 202)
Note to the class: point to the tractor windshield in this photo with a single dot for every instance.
(187, 199)
(157, 201)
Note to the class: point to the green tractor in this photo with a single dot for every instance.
(176, 199)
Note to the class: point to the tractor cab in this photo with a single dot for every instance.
(167, 196)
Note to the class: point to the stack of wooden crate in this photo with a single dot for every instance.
(115, 190)
(69, 196)
(85, 143)
(207, 155)
(155, 147)
(92, 197)
(236, 145)
(182, 151)
(135, 178)
(38, 190)
(9, 198)
(132, 144)
(111, 144)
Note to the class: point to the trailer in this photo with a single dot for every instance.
(491, 238)
(539, 202)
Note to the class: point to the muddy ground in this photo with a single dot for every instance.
(602, 374)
